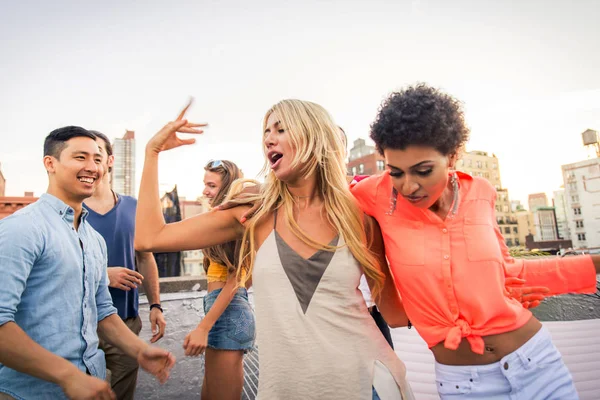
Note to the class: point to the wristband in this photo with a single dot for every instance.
(156, 306)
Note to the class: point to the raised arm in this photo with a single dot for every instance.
(151, 231)
(389, 302)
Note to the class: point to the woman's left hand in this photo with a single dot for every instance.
(167, 139)
(195, 342)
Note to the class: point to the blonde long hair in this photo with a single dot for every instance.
(224, 254)
(319, 150)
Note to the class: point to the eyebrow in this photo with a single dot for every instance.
(413, 167)
(85, 153)
(275, 124)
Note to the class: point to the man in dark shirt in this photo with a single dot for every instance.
(113, 216)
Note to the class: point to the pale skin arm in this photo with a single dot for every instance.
(19, 352)
(196, 341)
(389, 302)
(156, 361)
(146, 264)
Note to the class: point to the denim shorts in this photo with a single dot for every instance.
(235, 329)
(533, 371)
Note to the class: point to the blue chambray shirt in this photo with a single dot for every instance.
(54, 286)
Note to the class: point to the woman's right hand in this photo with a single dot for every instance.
(167, 139)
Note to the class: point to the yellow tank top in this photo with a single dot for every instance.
(218, 272)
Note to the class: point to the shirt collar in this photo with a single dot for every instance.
(62, 208)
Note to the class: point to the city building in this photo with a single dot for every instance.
(9, 205)
(481, 164)
(582, 196)
(526, 225)
(560, 209)
(123, 172)
(193, 260)
(364, 159)
(546, 228)
(537, 200)
(2, 183)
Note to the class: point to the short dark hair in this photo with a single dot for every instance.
(56, 141)
(420, 115)
(107, 145)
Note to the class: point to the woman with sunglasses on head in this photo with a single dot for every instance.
(227, 330)
(450, 261)
(306, 248)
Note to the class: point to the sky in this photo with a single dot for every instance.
(527, 72)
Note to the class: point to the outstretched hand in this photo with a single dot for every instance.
(156, 361)
(167, 139)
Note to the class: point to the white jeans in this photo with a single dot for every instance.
(535, 371)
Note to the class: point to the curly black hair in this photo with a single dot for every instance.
(420, 115)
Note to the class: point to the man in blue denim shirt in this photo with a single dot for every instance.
(54, 293)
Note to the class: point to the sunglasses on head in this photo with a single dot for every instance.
(214, 164)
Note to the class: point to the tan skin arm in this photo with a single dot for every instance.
(19, 352)
(389, 302)
(201, 231)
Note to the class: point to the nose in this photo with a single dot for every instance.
(92, 167)
(408, 186)
(206, 191)
(269, 140)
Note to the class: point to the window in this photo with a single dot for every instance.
(361, 169)
(573, 186)
(517, 242)
(486, 165)
(495, 166)
(575, 199)
(470, 163)
(479, 164)
(581, 236)
(515, 230)
(509, 242)
(577, 211)
(380, 165)
(579, 224)
(507, 230)
(353, 170)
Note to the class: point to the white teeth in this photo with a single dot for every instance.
(86, 180)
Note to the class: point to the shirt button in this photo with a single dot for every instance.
(445, 230)
(505, 365)
(446, 257)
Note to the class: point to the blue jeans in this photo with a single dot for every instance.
(533, 371)
(235, 329)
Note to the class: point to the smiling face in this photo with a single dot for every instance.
(278, 148)
(77, 170)
(419, 173)
(212, 185)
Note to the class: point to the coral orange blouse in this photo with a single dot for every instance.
(451, 274)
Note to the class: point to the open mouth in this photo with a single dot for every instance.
(274, 159)
(87, 179)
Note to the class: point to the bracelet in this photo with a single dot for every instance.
(156, 306)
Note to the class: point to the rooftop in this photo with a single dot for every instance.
(574, 322)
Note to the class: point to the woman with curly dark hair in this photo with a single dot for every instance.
(450, 261)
